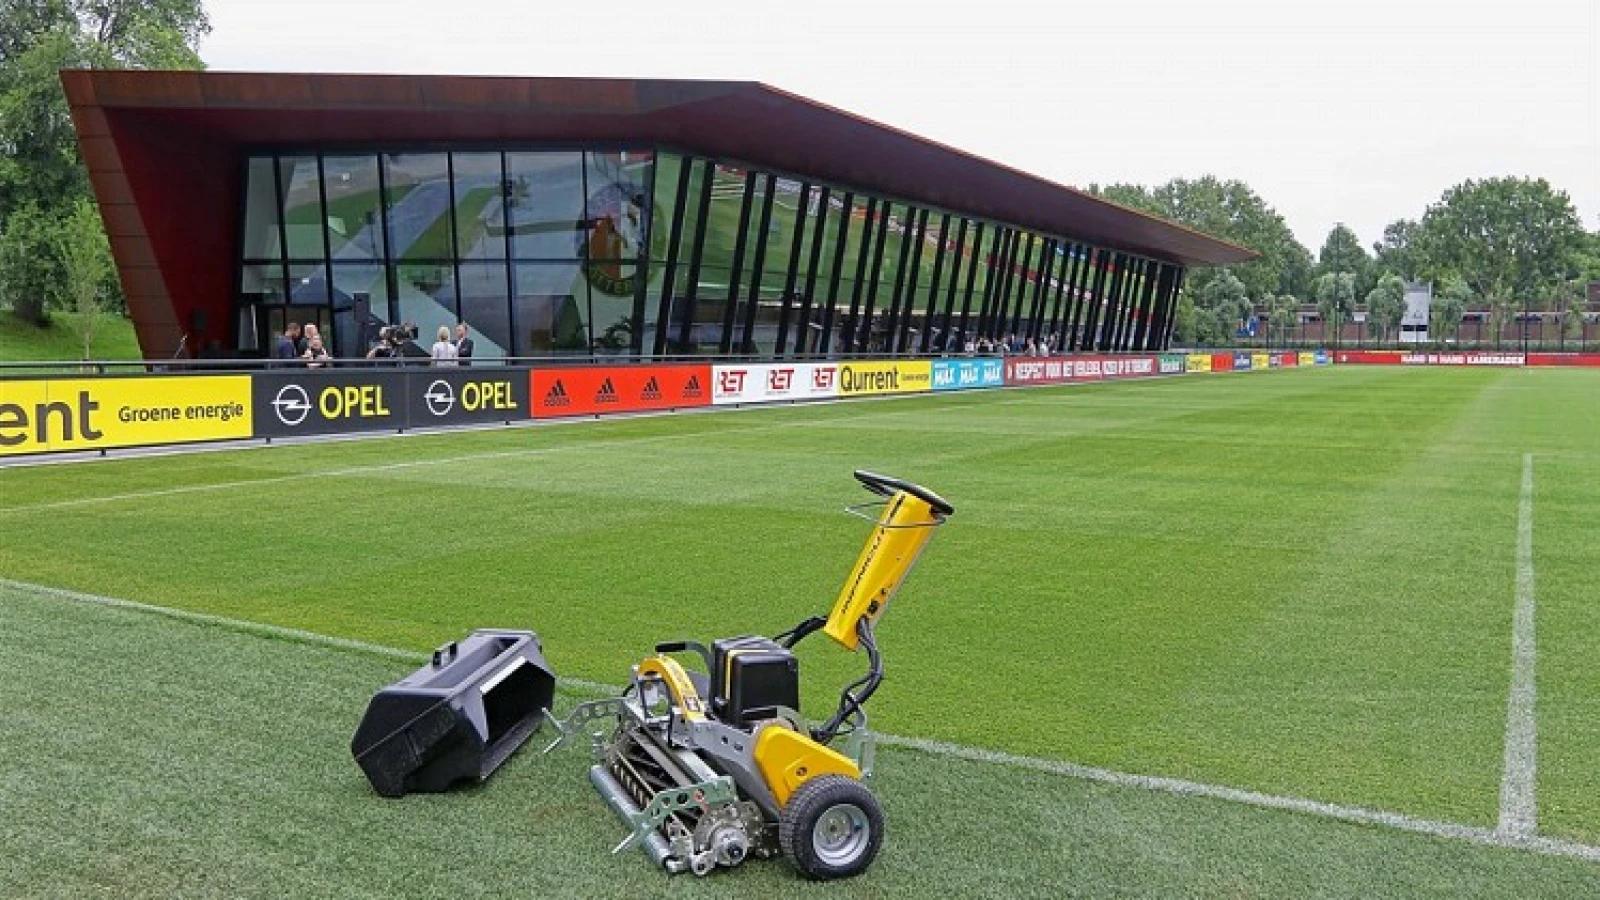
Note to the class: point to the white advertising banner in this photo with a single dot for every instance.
(773, 382)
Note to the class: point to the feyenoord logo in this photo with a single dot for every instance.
(557, 395)
(440, 398)
(610, 245)
(292, 404)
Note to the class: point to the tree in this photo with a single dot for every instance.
(1395, 252)
(1224, 299)
(1183, 321)
(39, 162)
(1509, 239)
(1386, 303)
(1449, 304)
(1342, 253)
(1229, 210)
(86, 271)
(30, 263)
(1283, 314)
(1336, 299)
(1572, 318)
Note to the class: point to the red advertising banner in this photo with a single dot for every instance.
(1564, 359)
(1285, 359)
(1368, 357)
(1021, 370)
(1222, 362)
(589, 391)
(1406, 358)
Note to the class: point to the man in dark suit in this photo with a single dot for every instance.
(287, 349)
(463, 345)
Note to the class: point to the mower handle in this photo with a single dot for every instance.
(885, 486)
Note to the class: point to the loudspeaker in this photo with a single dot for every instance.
(458, 718)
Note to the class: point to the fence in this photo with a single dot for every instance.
(125, 409)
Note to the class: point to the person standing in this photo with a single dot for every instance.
(463, 345)
(316, 355)
(287, 349)
(443, 352)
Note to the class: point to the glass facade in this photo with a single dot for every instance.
(641, 253)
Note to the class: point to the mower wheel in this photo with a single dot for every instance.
(831, 828)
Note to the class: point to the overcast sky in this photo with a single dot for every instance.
(1360, 111)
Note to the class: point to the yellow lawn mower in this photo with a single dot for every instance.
(708, 768)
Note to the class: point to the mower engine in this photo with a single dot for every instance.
(710, 766)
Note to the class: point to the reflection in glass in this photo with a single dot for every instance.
(308, 284)
(546, 205)
(480, 206)
(425, 298)
(552, 310)
(618, 213)
(302, 206)
(354, 338)
(483, 292)
(417, 206)
(262, 282)
(355, 220)
(261, 237)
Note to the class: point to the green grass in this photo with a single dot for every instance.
(148, 757)
(1298, 582)
(23, 341)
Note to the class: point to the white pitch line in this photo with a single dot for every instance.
(1519, 799)
(1353, 814)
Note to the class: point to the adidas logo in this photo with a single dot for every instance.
(557, 395)
(607, 393)
(652, 390)
(692, 390)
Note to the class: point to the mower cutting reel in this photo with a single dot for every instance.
(709, 767)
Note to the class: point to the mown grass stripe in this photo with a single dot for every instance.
(1154, 783)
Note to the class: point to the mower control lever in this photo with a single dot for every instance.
(886, 486)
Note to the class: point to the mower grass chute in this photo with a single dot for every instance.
(709, 766)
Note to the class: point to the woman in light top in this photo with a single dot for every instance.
(444, 352)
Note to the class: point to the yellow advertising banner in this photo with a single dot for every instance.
(1197, 362)
(40, 415)
(859, 378)
(1308, 359)
(1260, 361)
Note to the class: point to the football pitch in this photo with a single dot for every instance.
(1304, 585)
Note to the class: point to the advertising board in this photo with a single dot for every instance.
(961, 374)
(773, 382)
(1198, 362)
(865, 378)
(327, 402)
(583, 391)
(443, 397)
(1172, 364)
(42, 415)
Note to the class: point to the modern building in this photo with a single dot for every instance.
(593, 216)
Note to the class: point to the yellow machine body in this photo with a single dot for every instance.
(891, 550)
(679, 685)
(788, 759)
